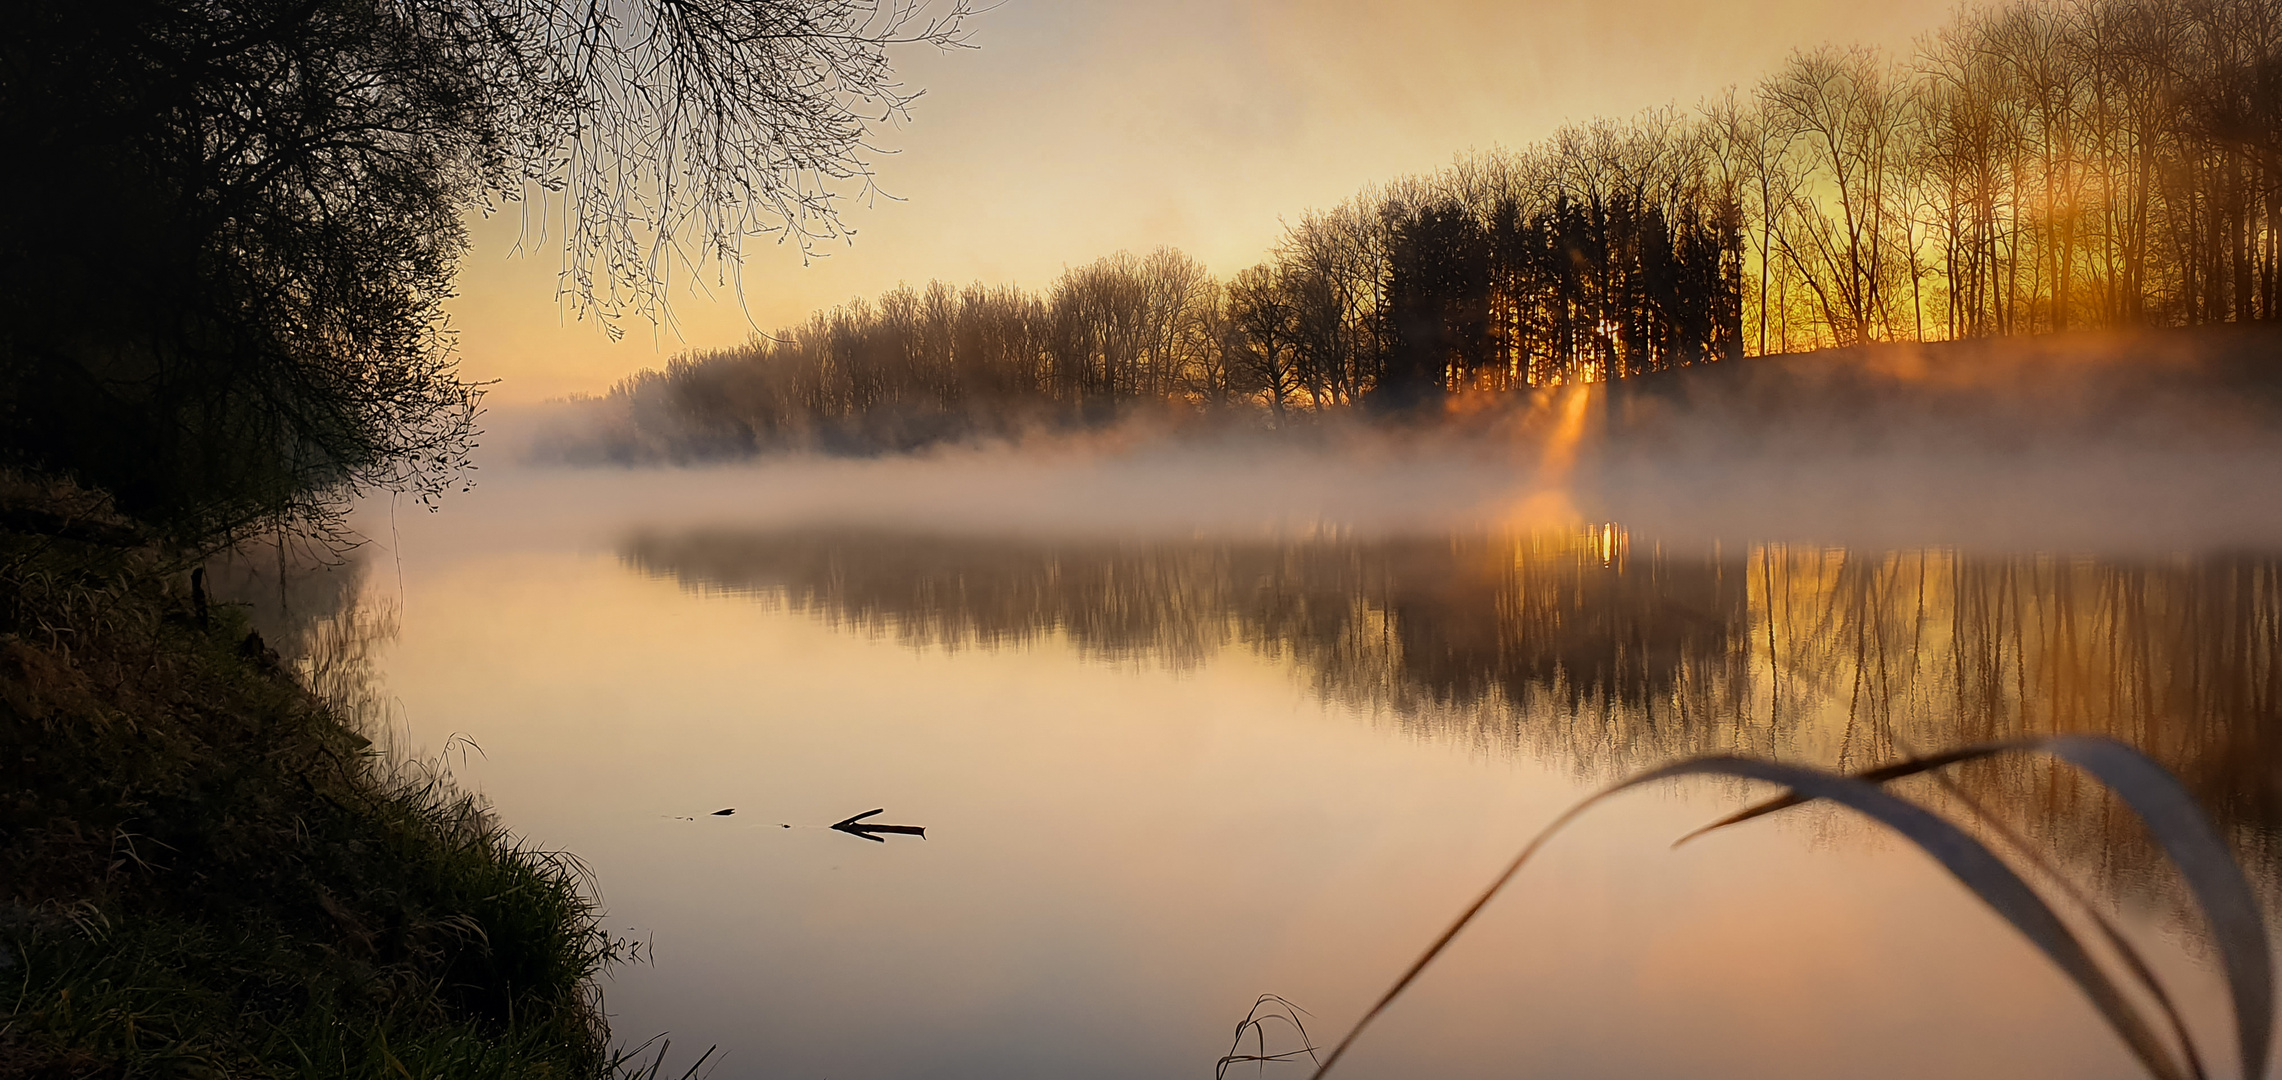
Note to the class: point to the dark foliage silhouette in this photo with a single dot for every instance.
(232, 226)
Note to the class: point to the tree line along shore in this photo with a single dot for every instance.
(2027, 168)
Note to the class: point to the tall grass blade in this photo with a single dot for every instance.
(2133, 962)
(1971, 863)
(2188, 839)
(1881, 774)
(2208, 866)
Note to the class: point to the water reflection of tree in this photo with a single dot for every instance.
(310, 604)
(1611, 655)
(1877, 655)
(286, 587)
(1425, 629)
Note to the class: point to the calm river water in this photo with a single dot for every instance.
(1164, 771)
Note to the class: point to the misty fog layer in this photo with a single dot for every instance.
(2083, 442)
(2144, 443)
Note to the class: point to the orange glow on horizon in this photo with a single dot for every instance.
(1079, 129)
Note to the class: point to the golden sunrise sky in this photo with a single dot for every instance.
(1080, 127)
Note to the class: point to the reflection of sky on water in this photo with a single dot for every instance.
(1297, 763)
(1581, 647)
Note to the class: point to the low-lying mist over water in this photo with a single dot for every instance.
(2144, 443)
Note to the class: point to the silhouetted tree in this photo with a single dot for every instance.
(231, 226)
(1265, 316)
(1437, 304)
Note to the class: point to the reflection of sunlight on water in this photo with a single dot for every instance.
(1612, 539)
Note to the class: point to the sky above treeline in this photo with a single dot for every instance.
(1080, 127)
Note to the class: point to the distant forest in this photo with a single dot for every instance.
(2045, 166)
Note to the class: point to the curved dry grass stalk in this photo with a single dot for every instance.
(2178, 824)
(1266, 1009)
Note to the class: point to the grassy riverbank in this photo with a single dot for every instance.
(205, 872)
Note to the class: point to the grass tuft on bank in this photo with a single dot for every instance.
(205, 872)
